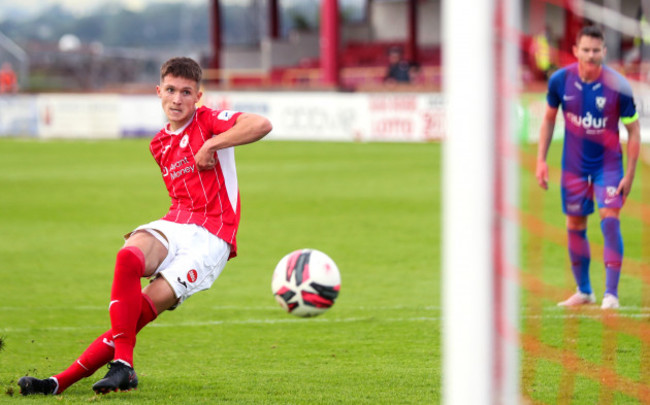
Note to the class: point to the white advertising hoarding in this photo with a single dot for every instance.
(404, 117)
(78, 116)
(322, 116)
(296, 116)
(18, 115)
(319, 116)
(140, 116)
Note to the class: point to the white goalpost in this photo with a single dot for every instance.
(480, 240)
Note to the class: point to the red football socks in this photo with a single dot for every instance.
(126, 302)
(102, 350)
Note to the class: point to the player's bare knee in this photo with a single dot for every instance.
(609, 213)
(161, 294)
(577, 223)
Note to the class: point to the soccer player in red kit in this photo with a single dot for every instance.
(186, 250)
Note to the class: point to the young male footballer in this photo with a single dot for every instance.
(594, 98)
(185, 251)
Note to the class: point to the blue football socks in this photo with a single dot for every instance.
(580, 256)
(612, 254)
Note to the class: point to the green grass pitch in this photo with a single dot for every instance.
(374, 208)
(585, 355)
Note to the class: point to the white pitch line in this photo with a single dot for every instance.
(220, 308)
(594, 307)
(590, 312)
(49, 308)
(229, 322)
(290, 320)
(589, 315)
(273, 307)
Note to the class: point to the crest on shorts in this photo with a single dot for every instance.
(192, 276)
(600, 102)
(573, 207)
(611, 191)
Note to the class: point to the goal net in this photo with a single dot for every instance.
(505, 259)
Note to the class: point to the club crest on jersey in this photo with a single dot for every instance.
(184, 141)
(600, 102)
(225, 115)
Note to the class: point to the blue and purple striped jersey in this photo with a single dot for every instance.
(591, 113)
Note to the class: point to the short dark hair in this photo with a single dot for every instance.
(593, 31)
(186, 68)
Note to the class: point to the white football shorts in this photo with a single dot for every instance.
(195, 257)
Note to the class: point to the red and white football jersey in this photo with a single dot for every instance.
(208, 198)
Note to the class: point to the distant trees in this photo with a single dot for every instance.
(157, 25)
(115, 47)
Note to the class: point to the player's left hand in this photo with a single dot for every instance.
(205, 160)
(625, 186)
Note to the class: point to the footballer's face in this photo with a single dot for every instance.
(179, 97)
(590, 53)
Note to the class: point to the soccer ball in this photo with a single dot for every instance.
(306, 282)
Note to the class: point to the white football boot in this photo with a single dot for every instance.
(579, 298)
(609, 302)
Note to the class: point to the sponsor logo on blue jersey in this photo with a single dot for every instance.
(593, 126)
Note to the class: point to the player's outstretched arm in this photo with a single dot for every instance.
(248, 128)
(633, 147)
(545, 137)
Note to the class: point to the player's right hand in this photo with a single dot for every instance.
(541, 173)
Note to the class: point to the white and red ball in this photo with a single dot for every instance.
(306, 282)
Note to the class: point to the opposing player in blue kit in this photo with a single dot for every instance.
(594, 98)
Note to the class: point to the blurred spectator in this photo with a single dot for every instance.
(644, 38)
(540, 53)
(8, 82)
(415, 74)
(398, 67)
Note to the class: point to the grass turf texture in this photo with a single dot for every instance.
(585, 355)
(374, 208)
